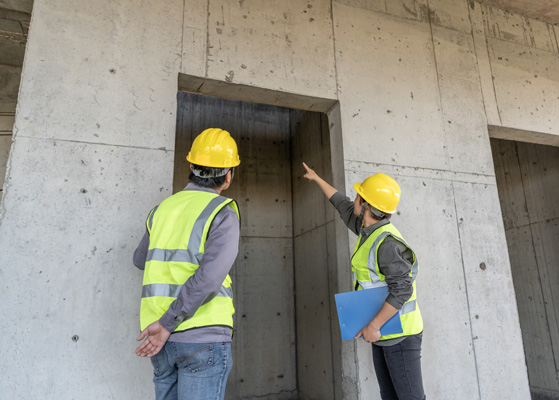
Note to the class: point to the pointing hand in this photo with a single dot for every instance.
(310, 175)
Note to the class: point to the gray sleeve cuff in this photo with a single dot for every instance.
(170, 321)
(393, 301)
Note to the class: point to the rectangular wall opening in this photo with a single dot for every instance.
(527, 180)
(286, 345)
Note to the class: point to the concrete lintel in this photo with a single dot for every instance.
(501, 132)
(226, 90)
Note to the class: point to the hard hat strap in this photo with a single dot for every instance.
(362, 212)
(377, 213)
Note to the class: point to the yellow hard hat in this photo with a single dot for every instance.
(214, 148)
(380, 191)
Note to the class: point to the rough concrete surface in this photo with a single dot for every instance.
(417, 82)
(545, 10)
(388, 90)
(242, 34)
(122, 69)
(80, 301)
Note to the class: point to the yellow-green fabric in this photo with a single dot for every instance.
(178, 230)
(364, 263)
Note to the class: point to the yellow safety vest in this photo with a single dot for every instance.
(364, 263)
(178, 230)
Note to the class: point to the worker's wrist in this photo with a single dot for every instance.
(374, 325)
(169, 322)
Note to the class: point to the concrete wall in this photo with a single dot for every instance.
(527, 177)
(418, 82)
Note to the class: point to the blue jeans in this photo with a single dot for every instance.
(193, 371)
(398, 369)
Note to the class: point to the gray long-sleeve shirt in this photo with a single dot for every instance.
(222, 247)
(394, 258)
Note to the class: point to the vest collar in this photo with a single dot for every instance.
(193, 186)
(366, 231)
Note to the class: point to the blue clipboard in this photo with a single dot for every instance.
(357, 309)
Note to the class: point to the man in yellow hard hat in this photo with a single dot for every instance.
(190, 244)
(383, 258)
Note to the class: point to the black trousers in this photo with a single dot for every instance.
(398, 369)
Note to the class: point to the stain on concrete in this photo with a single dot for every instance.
(428, 15)
(410, 11)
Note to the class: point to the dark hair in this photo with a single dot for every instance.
(379, 214)
(212, 182)
(375, 212)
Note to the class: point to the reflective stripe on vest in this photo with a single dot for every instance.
(165, 290)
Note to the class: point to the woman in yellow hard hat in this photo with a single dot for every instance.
(383, 258)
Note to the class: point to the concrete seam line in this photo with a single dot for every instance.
(96, 143)
(458, 224)
(334, 49)
(438, 83)
(477, 61)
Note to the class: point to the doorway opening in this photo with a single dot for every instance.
(527, 180)
(286, 344)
